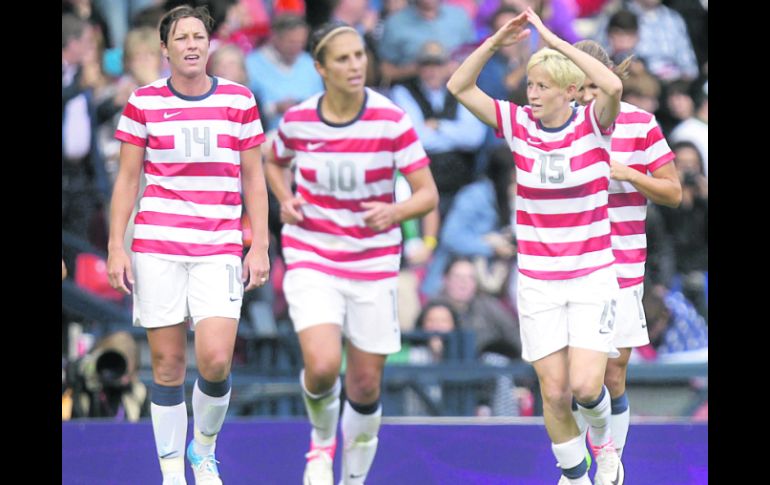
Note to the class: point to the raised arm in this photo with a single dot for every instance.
(462, 84)
(607, 105)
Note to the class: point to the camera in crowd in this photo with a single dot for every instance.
(104, 382)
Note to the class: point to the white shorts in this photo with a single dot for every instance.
(167, 292)
(577, 312)
(630, 322)
(367, 311)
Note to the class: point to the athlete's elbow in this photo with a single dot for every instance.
(675, 198)
(455, 86)
(433, 199)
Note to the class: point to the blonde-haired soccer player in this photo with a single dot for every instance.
(567, 285)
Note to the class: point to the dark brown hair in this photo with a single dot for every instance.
(183, 11)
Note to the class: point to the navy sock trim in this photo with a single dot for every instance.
(574, 404)
(166, 395)
(576, 471)
(214, 389)
(595, 402)
(620, 404)
(365, 408)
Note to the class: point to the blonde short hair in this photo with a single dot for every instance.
(562, 71)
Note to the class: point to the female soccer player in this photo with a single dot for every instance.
(638, 149)
(341, 243)
(567, 285)
(197, 139)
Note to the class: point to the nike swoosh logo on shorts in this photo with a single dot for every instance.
(170, 115)
(357, 476)
(604, 331)
(234, 299)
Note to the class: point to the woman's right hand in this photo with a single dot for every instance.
(512, 32)
(291, 210)
(118, 265)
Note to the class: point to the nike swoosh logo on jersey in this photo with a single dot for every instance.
(170, 115)
(604, 331)
(234, 299)
(534, 141)
(313, 146)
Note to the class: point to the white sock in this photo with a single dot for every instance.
(359, 434)
(323, 411)
(208, 413)
(580, 420)
(619, 422)
(598, 418)
(169, 426)
(572, 455)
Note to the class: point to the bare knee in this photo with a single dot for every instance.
(556, 397)
(615, 378)
(587, 390)
(168, 369)
(215, 367)
(320, 374)
(363, 385)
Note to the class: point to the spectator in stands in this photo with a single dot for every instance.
(141, 66)
(496, 329)
(566, 281)
(695, 128)
(450, 133)
(406, 31)
(341, 244)
(187, 236)
(623, 39)
(688, 226)
(505, 75)
(661, 258)
(678, 333)
(439, 318)
(478, 226)
(281, 73)
(84, 181)
(436, 316)
(663, 41)
(229, 62)
(677, 105)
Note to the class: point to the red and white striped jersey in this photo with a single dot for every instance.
(562, 175)
(191, 207)
(339, 166)
(639, 143)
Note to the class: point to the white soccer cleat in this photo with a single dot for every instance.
(318, 469)
(204, 467)
(609, 468)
